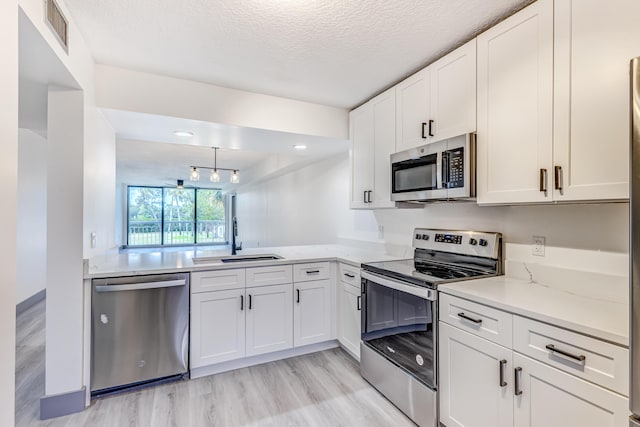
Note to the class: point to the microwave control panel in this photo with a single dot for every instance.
(455, 168)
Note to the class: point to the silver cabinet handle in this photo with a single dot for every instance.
(469, 318)
(517, 374)
(579, 359)
(558, 178)
(543, 181)
(503, 364)
(140, 286)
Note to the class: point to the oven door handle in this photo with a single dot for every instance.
(424, 293)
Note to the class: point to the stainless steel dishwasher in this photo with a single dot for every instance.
(139, 331)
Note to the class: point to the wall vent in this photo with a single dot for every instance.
(58, 23)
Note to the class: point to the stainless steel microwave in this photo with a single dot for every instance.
(443, 170)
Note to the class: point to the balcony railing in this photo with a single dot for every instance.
(148, 233)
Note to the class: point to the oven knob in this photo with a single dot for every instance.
(483, 242)
(425, 237)
(473, 241)
(418, 237)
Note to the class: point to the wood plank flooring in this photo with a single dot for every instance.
(320, 389)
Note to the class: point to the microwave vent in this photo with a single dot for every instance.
(58, 23)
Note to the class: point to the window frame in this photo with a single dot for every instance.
(162, 218)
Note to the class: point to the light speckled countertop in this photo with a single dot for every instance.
(597, 317)
(133, 264)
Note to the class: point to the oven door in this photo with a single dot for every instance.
(399, 322)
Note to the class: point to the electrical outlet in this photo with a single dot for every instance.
(93, 240)
(381, 232)
(538, 246)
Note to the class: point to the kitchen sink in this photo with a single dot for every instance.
(236, 258)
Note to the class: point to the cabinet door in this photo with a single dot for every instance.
(470, 391)
(412, 110)
(349, 318)
(515, 108)
(384, 131)
(362, 155)
(269, 319)
(594, 42)
(453, 93)
(552, 398)
(311, 312)
(217, 327)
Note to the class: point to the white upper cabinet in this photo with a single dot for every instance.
(515, 108)
(453, 93)
(594, 41)
(372, 143)
(413, 108)
(361, 129)
(438, 102)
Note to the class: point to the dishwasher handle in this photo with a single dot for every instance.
(140, 286)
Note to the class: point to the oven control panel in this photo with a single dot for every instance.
(460, 242)
(455, 239)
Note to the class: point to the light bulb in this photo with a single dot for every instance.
(235, 178)
(215, 176)
(195, 175)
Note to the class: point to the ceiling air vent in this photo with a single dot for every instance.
(58, 23)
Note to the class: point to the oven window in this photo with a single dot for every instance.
(400, 326)
(415, 175)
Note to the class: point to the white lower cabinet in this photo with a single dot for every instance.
(552, 398)
(217, 327)
(470, 390)
(349, 306)
(485, 384)
(312, 312)
(269, 319)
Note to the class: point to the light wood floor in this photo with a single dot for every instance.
(321, 389)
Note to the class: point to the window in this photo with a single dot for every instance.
(175, 216)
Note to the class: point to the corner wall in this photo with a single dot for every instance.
(9, 197)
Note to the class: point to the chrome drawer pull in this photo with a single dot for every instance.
(503, 364)
(517, 378)
(470, 319)
(580, 359)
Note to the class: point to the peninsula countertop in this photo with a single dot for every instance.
(133, 264)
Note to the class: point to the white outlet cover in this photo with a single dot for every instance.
(538, 245)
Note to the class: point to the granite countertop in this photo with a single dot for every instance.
(132, 264)
(595, 316)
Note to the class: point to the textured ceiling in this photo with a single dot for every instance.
(333, 52)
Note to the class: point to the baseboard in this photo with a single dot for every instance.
(62, 404)
(30, 302)
(263, 358)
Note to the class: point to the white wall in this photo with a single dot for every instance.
(99, 184)
(9, 197)
(128, 90)
(305, 206)
(309, 205)
(65, 293)
(31, 247)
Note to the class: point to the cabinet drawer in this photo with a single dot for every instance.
(273, 275)
(311, 271)
(219, 280)
(602, 363)
(489, 323)
(349, 274)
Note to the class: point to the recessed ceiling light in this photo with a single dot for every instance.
(183, 133)
(300, 147)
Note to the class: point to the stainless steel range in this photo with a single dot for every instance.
(398, 354)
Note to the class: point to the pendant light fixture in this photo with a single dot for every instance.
(215, 170)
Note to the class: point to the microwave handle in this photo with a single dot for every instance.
(446, 162)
